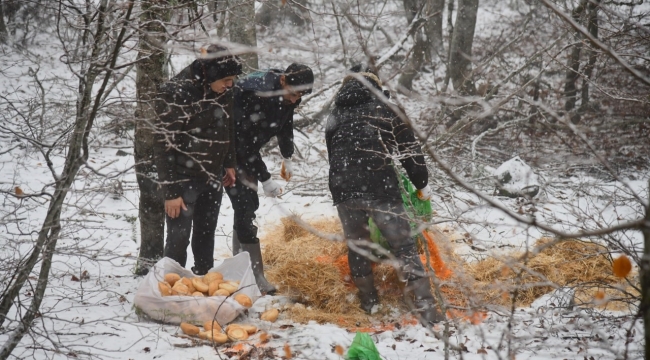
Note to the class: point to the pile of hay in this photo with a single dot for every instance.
(313, 271)
(582, 265)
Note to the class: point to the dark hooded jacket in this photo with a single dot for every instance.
(260, 114)
(194, 139)
(363, 137)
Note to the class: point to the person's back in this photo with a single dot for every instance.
(263, 108)
(261, 113)
(363, 136)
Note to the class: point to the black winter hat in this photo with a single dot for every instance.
(216, 63)
(300, 77)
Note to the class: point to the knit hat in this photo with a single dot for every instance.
(216, 63)
(300, 77)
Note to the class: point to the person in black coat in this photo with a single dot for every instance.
(364, 138)
(264, 105)
(195, 152)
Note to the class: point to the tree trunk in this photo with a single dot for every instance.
(241, 28)
(3, 27)
(644, 269)
(433, 28)
(592, 27)
(460, 62)
(150, 73)
(414, 63)
(573, 63)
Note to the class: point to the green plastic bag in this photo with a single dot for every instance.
(362, 348)
(416, 210)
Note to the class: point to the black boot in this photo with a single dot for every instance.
(424, 303)
(258, 268)
(418, 287)
(367, 292)
(236, 246)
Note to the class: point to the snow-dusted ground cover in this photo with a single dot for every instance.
(88, 309)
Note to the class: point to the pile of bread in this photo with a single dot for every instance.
(212, 331)
(211, 284)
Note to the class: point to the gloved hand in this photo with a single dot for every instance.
(424, 194)
(271, 188)
(286, 171)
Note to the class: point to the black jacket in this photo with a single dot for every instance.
(195, 132)
(363, 137)
(260, 114)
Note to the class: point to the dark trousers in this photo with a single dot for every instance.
(200, 219)
(390, 217)
(245, 202)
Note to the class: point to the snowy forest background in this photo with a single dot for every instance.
(562, 84)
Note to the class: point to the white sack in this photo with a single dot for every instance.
(176, 309)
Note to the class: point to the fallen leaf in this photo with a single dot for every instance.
(19, 191)
(287, 351)
(74, 278)
(481, 351)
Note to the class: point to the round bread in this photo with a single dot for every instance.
(190, 329)
(228, 287)
(199, 285)
(243, 300)
(214, 286)
(188, 283)
(172, 278)
(221, 292)
(270, 315)
(237, 333)
(211, 276)
(198, 294)
(211, 325)
(180, 289)
(164, 288)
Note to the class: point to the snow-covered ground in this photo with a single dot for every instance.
(88, 309)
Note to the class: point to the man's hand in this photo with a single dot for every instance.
(286, 171)
(173, 207)
(424, 194)
(271, 188)
(229, 178)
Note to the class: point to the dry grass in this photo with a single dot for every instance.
(313, 271)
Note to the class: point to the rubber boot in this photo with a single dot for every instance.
(236, 246)
(418, 288)
(367, 292)
(424, 303)
(258, 268)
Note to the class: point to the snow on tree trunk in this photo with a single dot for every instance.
(241, 27)
(150, 73)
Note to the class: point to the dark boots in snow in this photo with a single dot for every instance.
(424, 304)
(258, 268)
(367, 292)
(236, 246)
(418, 287)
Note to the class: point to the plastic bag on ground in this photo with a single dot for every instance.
(362, 348)
(176, 309)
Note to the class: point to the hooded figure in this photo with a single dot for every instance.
(364, 137)
(195, 152)
(264, 105)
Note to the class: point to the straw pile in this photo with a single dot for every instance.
(582, 265)
(313, 271)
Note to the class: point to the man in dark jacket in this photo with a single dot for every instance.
(364, 137)
(195, 152)
(264, 106)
